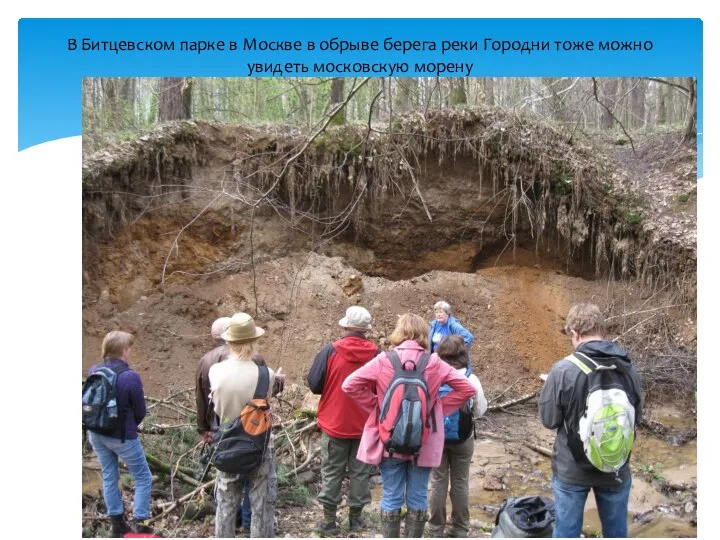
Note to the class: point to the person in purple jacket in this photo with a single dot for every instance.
(123, 443)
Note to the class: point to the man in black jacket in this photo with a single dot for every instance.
(562, 404)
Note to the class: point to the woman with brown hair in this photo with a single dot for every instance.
(454, 468)
(408, 374)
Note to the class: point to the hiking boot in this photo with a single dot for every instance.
(327, 528)
(118, 526)
(328, 525)
(415, 523)
(390, 523)
(140, 526)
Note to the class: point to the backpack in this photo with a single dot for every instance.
(532, 516)
(606, 429)
(100, 412)
(238, 447)
(405, 415)
(460, 424)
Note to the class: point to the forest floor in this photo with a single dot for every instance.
(515, 306)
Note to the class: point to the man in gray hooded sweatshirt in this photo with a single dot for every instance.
(562, 404)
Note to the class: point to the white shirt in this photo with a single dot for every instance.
(480, 404)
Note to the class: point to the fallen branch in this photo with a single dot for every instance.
(305, 463)
(501, 394)
(512, 402)
(181, 500)
(171, 406)
(161, 429)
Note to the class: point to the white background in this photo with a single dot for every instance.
(41, 257)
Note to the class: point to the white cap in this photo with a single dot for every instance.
(219, 326)
(356, 318)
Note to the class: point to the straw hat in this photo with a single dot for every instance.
(242, 328)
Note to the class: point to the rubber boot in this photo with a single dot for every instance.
(390, 523)
(415, 523)
(118, 526)
(355, 518)
(328, 525)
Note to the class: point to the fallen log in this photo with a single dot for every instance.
(512, 402)
(160, 466)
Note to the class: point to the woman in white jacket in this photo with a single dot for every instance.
(457, 451)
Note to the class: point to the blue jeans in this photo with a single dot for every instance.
(403, 482)
(612, 505)
(244, 513)
(108, 450)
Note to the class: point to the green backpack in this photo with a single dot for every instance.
(607, 426)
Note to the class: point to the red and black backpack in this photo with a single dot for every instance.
(406, 415)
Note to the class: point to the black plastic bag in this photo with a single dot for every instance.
(525, 517)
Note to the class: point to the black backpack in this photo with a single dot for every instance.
(238, 447)
(100, 412)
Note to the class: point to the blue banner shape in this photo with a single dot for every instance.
(55, 54)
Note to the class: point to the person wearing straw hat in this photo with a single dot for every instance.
(341, 420)
(232, 386)
(206, 418)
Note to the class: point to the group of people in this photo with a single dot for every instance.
(409, 411)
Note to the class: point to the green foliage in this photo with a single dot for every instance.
(634, 217)
(630, 209)
(654, 471)
(289, 491)
(650, 471)
(684, 198)
(561, 181)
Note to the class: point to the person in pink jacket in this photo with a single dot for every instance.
(405, 477)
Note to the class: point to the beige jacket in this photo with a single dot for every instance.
(232, 386)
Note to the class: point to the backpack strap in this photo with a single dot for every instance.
(394, 360)
(422, 362)
(121, 412)
(586, 364)
(263, 384)
(586, 369)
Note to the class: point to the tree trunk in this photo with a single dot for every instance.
(407, 90)
(336, 97)
(691, 124)
(609, 95)
(661, 114)
(489, 87)
(175, 97)
(637, 100)
(458, 96)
